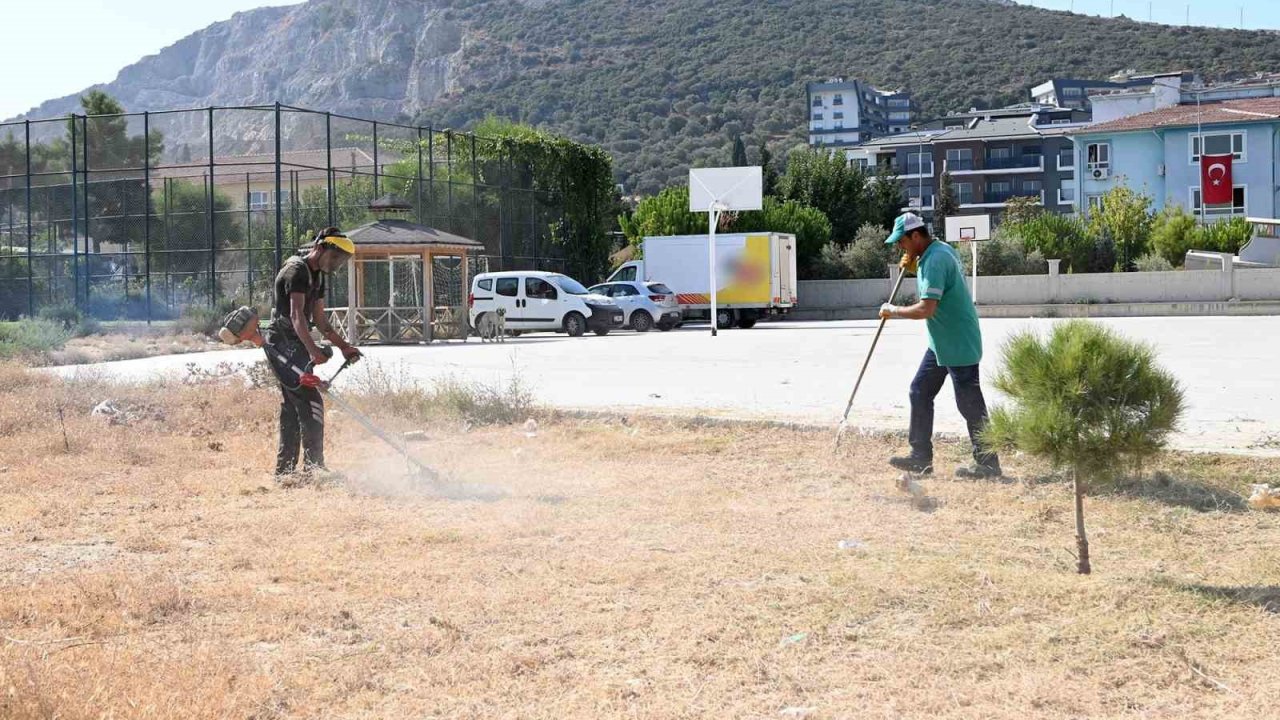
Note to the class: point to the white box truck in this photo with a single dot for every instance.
(756, 274)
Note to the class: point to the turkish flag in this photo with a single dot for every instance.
(1215, 179)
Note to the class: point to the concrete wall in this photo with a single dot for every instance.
(1182, 286)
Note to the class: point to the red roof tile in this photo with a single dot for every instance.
(1229, 111)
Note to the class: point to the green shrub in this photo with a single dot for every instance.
(32, 339)
(1173, 233)
(71, 319)
(1151, 262)
(1226, 236)
(1086, 400)
(1005, 254)
(865, 258)
(1056, 237)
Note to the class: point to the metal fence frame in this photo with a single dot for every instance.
(100, 212)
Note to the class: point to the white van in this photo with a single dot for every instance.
(540, 301)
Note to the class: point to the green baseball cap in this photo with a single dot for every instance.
(905, 223)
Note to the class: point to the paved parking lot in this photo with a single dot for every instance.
(804, 371)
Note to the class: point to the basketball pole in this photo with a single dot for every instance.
(713, 219)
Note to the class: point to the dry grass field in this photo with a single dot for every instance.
(601, 568)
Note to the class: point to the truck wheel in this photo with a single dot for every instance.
(725, 319)
(746, 322)
(641, 321)
(574, 324)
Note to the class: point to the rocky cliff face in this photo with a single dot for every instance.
(384, 59)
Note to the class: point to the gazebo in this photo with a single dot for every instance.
(407, 282)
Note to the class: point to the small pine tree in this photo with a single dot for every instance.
(945, 205)
(739, 152)
(1088, 401)
(769, 171)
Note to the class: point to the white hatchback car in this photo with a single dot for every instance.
(646, 305)
(539, 301)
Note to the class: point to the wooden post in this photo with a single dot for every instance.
(352, 326)
(428, 311)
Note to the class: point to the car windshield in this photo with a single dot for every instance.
(597, 289)
(569, 285)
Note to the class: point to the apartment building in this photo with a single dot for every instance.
(991, 157)
(1076, 93)
(844, 113)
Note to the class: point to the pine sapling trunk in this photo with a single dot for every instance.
(1082, 540)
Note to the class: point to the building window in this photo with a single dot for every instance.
(837, 116)
(1000, 153)
(1237, 207)
(817, 116)
(1066, 158)
(916, 192)
(1072, 92)
(964, 193)
(1032, 188)
(1094, 202)
(817, 102)
(919, 163)
(899, 103)
(839, 100)
(861, 162)
(1099, 156)
(1066, 195)
(259, 200)
(1218, 144)
(960, 159)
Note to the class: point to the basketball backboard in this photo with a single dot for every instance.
(726, 189)
(968, 228)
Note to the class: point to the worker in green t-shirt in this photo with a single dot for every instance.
(955, 347)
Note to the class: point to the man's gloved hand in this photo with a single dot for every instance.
(351, 354)
(887, 310)
(909, 264)
(319, 357)
(311, 380)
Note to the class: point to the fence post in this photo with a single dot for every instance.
(328, 162)
(88, 265)
(475, 197)
(418, 185)
(377, 171)
(75, 216)
(213, 219)
(248, 233)
(146, 205)
(431, 173)
(1054, 280)
(279, 189)
(31, 282)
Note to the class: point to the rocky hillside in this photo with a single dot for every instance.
(661, 83)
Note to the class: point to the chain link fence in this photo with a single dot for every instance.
(141, 215)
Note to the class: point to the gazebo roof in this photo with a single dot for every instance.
(402, 232)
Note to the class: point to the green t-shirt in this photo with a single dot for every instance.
(954, 335)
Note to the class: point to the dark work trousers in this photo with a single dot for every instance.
(925, 388)
(301, 408)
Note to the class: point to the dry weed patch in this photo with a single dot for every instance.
(596, 568)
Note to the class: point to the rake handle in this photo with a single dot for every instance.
(867, 362)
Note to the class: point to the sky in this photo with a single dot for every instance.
(1258, 14)
(53, 48)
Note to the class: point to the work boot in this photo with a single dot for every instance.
(978, 471)
(913, 464)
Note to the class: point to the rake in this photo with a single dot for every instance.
(844, 420)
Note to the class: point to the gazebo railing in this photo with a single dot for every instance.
(398, 325)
